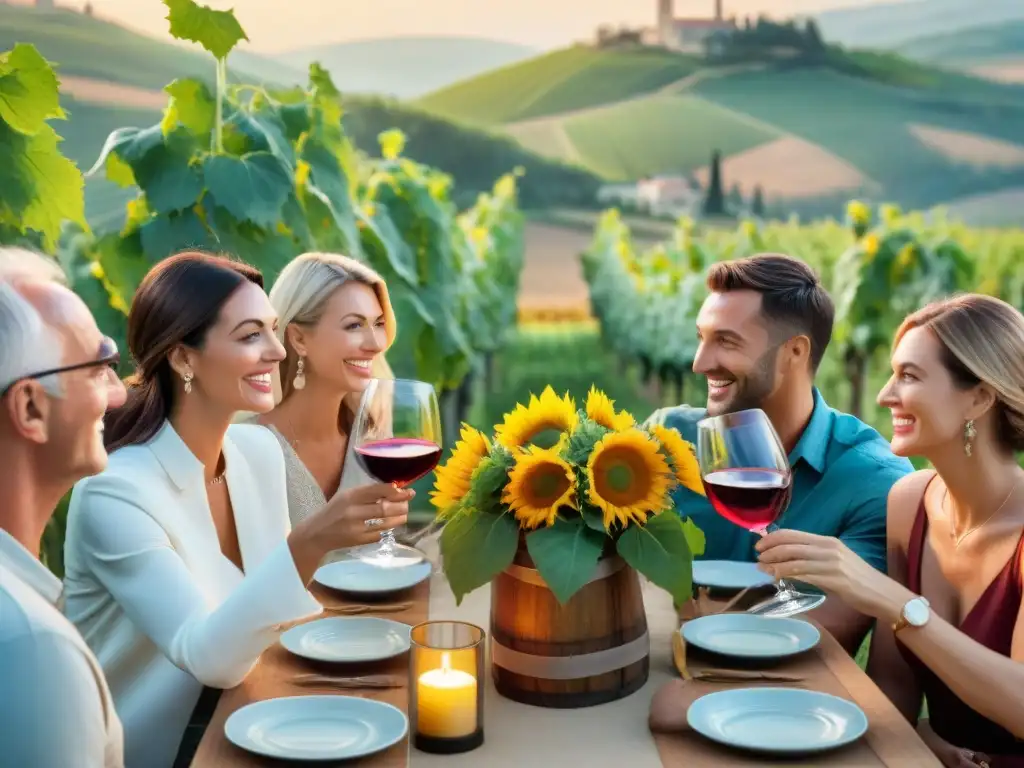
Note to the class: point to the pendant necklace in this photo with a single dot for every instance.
(958, 540)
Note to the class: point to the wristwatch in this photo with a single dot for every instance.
(915, 613)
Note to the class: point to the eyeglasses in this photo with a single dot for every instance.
(108, 355)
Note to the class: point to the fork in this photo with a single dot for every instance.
(352, 610)
(365, 681)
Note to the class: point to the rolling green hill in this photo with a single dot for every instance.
(561, 81)
(975, 45)
(407, 67)
(93, 47)
(809, 131)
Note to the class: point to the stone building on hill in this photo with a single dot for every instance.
(687, 34)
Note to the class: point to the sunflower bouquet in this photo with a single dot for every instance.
(574, 485)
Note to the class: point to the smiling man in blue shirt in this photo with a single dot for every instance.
(763, 332)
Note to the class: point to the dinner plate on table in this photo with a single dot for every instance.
(348, 639)
(747, 636)
(729, 574)
(778, 721)
(361, 578)
(316, 727)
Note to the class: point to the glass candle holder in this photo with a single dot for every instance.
(446, 687)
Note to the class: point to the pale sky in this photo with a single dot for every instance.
(276, 25)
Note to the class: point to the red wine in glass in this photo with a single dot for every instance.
(399, 460)
(396, 438)
(752, 498)
(747, 478)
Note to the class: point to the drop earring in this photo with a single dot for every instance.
(299, 382)
(969, 435)
(187, 378)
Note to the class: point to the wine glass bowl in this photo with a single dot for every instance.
(396, 439)
(748, 481)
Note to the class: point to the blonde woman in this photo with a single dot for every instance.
(950, 620)
(335, 322)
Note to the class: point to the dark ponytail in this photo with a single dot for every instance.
(177, 302)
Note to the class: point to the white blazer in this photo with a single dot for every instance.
(146, 584)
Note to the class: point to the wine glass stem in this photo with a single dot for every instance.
(782, 590)
(387, 542)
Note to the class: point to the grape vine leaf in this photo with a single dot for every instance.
(253, 187)
(173, 232)
(39, 187)
(216, 31)
(191, 105)
(28, 89)
(565, 554)
(171, 182)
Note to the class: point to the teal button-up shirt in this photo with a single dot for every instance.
(842, 472)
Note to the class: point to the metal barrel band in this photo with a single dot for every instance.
(571, 667)
(605, 568)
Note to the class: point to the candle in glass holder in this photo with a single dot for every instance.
(446, 693)
(446, 702)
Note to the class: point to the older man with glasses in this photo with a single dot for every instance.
(56, 383)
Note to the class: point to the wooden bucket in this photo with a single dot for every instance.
(592, 650)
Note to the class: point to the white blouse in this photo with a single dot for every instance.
(148, 587)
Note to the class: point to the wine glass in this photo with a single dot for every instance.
(749, 482)
(397, 440)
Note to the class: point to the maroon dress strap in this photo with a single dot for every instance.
(990, 622)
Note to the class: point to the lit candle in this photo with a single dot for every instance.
(446, 702)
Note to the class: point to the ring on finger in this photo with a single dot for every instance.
(374, 522)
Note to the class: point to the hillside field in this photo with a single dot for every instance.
(857, 123)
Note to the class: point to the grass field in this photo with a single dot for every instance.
(561, 81)
(660, 134)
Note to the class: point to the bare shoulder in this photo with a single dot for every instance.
(903, 503)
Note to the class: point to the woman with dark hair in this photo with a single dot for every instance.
(181, 566)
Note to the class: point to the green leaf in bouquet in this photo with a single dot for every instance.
(476, 547)
(192, 106)
(694, 536)
(489, 478)
(565, 554)
(28, 90)
(660, 551)
(583, 440)
(251, 188)
(216, 31)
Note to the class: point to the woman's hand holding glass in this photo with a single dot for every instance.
(353, 518)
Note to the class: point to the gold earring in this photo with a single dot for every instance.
(969, 435)
(299, 382)
(188, 382)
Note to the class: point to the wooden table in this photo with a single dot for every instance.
(611, 735)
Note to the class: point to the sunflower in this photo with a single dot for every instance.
(548, 413)
(628, 477)
(602, 410)
(539, 484)
(683, 457)
(453, 480)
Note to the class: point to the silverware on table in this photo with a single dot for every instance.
(358, 681)
(352, 610)
(743, 676)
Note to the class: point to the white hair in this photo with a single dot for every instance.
(29, 344)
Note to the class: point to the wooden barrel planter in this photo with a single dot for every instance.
(592, 650)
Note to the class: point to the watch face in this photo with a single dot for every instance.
(916, 612)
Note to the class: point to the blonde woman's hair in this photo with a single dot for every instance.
(983, 342)
(300, 295)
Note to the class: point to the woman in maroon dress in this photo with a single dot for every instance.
(950, 626)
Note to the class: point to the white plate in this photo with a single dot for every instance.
(749, 636)
(787, 721)
(363, 578)
(316, 727)
(729, 574)
(354, 638)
